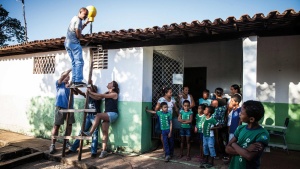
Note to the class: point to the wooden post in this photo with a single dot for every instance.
(70, 104)
(86, 106)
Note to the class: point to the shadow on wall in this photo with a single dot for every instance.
(125, 133)
(40, 115)
(281, 101)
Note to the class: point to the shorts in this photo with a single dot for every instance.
(185, 132)
(112, 116)
(201, 137)
(59, 117)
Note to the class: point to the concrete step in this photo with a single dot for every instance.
(11, 156)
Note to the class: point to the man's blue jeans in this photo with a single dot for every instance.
(209, 146)
(90, 118)
(75, 52)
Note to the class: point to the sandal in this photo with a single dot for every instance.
(180, 156)
(188, 158)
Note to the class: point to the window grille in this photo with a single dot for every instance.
(100, 58)
(44, 65)
(165, 64)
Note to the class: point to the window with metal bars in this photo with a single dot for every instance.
(100, 58)
(44, 65)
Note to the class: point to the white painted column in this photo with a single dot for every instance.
(249, 68)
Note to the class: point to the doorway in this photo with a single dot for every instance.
(195, 79)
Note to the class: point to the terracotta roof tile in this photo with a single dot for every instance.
(274, 24)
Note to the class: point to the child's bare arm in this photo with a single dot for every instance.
(149, 111)
(196, 130)
(180, 119)
(248, 155)
(186, 121)
(171, 128)
(216, 127)
(229, 149)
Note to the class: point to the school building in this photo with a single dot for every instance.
(261, 53)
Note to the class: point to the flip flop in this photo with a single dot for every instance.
(180, 156)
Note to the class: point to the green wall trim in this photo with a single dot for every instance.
(275, 114)
(131, 132)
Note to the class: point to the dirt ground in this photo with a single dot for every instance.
(275, 159)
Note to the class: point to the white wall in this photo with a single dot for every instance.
(126, 67)
(278, 78)
(18, 85)
(222, 59)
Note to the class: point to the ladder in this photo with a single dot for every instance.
(85, 111)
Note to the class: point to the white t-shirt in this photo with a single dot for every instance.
(170, 103)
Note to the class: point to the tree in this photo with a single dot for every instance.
(10, 29)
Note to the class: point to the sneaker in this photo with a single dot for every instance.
(52, 149)
(68, 145)
(103, 154)
(93, 155)
(70, 152)
(79, 84)
(167, 158)
(85, 133)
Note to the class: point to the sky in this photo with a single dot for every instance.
(48, 19)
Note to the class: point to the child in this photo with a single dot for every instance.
(234, 115)
(249, 140)
(205, 99)
(208, 136)
(219, 92)
(185, 118)
(165, 121)
(198, 128)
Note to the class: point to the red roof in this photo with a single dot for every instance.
(274, 24)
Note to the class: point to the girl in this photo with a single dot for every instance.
(109, 116)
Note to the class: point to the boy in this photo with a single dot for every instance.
(205, 99)
(165, 121)
(208, 136)
(185, 118)
(73, 47)
(198, 128)
(234, 115)
(249, 140)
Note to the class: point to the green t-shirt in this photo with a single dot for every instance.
(185, 116)
(199, 122)
(207, 125)
(164, 119)
(246, 137)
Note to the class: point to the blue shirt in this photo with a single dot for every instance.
(62, 95)
(207, 101)
(235, 119)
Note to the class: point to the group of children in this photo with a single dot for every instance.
(244, 143)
